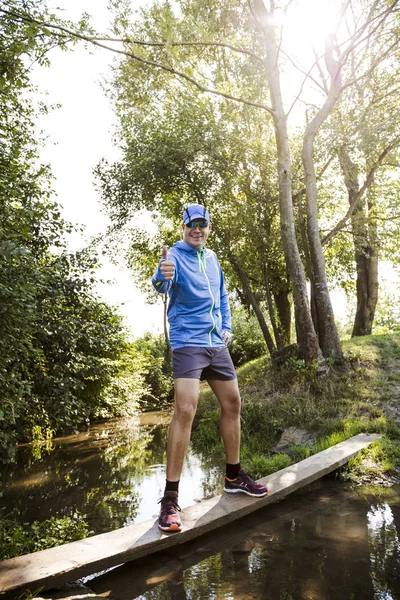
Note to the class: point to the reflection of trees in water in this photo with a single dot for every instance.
(315, 545)
(321, 553)
(97, 474)
(384, 546)
(122, 464)
(163, 592)
(213, 467)
(212, 483)
(210, 577)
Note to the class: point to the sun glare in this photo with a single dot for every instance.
(306, 24)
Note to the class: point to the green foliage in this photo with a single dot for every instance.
(157, 370)
(62, 350)
(17, 539)
(260, 465)
(349, 401)
(248, 342)
(387, 316)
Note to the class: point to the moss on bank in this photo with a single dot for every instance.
(361, 395)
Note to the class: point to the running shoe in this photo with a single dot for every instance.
(169, 513)
(245, 484)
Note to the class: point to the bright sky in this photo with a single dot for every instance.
(79, 135)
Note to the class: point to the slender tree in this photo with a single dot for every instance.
(365, 136)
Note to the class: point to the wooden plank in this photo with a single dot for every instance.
(56, 566)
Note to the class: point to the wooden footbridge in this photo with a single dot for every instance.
(54, 567)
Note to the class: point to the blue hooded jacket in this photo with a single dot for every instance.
(198, 307)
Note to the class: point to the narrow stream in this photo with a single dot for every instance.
(113, 474)
(327, 542)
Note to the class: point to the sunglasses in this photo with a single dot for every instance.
(192, 224)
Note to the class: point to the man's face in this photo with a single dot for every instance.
(196, 237)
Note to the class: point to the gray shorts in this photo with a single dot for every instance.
(196, 362)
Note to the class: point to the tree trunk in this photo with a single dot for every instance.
(328, 336)
(367, 291)
(307, 339)
(253, 302)
(271, 310)
(306, 251)
(283, 308)
(365, 247)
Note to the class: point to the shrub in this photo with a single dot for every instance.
(248, 342)
(17, 539)
(157, 370)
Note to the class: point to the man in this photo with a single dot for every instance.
(199, 330)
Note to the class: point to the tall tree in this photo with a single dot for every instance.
(365, 136)
(210, 46)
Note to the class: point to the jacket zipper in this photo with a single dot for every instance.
(203, 268)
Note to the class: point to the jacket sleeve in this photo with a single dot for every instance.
(225, 310)
(160, 284)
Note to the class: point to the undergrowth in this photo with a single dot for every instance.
(350, 400)
(23, 538)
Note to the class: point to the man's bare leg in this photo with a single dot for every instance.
(186, 398)
(228, 396)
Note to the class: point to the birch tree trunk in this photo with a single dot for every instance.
(307, 338)
(329, 340)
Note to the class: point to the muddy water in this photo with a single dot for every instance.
(113, 474)
(325, 543)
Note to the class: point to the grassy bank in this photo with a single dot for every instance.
(358, 396)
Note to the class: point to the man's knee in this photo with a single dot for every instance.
(228, 395)
(186, 410)
(232, 403)
(186, 397)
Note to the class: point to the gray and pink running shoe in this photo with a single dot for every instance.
(245, 484)
(169, 519)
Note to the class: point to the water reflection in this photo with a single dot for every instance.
(113, 474)
(326, 543)
(384, 551)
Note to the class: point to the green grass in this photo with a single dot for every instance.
(347, 402)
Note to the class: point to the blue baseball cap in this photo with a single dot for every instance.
(195, 211)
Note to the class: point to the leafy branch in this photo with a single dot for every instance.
(96, 42)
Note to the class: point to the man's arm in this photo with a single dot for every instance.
(165, 274)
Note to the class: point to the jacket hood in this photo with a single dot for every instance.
(181, 245)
